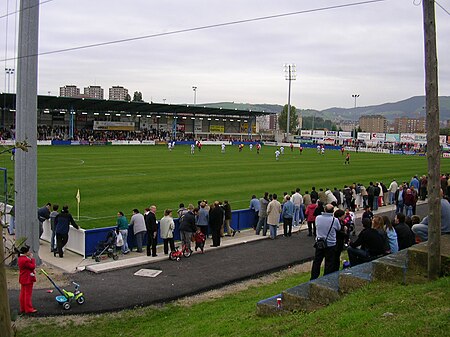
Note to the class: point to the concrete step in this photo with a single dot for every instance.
(325, 289)
(390, 268)
(355, 278)
(123, 263)
(270, 307)
(298, 298)
(418, 260)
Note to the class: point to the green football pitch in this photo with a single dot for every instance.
(113, 178)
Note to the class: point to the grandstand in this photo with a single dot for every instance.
(66, 118)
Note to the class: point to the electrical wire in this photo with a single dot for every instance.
(446, 11)
(217, 25)
(18, 11)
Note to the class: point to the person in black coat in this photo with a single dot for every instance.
(62, 222)
(405, 236)
(372, 245)
(216, 216)
(152, 230)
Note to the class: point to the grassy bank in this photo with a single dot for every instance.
(378, 310)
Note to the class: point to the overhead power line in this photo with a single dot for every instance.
(217, 25)
(446, 11)
(18, 10)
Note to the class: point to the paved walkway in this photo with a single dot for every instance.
(243, 257)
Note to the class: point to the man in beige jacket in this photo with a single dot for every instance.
(273, 216)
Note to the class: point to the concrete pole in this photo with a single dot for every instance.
(26, 126)
(289, 104)
(433, 148)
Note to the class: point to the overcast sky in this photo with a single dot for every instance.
(374, 50)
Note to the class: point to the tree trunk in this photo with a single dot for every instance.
(5, 315)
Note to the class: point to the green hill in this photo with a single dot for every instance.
(411, 107)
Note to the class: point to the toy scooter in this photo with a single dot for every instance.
(66, 296)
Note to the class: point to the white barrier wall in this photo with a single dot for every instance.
(76, 241)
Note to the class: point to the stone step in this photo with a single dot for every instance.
(355, 278)
(418, 260)
(390, 268)
(297, 298)
(269, 307)
(325, 289)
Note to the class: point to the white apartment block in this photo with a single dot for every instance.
(118, 93)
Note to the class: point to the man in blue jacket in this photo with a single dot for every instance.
(287, 214)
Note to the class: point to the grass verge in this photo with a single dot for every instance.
(380, 309)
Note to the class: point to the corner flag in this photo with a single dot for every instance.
(78, 204)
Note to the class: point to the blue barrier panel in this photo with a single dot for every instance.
(184, 142)
(61, 142)
(246, 218)
(92, 237)
(240, 219)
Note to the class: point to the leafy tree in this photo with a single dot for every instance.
(128, 98)
(293, 121)
(137, 96)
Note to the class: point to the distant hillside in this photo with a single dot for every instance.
(411, 107)
(274, 108)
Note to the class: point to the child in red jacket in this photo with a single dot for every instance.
(199, 239)
(27, 277)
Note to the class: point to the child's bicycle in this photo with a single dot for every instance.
(177, 254)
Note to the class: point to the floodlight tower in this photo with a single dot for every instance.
(194, 88)
(290, 75)
(9, 72)
(355, 96)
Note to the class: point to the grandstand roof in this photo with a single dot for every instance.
(8, 101)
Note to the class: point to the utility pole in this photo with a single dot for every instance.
(355, 96)
(290, 75)
(433, 149)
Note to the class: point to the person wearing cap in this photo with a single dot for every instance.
(27, 277)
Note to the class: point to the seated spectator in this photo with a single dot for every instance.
(378, 224)
(421, 229)
(405, 237)
(391, 234)
(371, 245)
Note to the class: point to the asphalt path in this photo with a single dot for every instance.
(121, 289)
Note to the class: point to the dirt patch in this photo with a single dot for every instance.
(12, 278)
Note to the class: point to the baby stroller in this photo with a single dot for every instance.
(108, 246)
